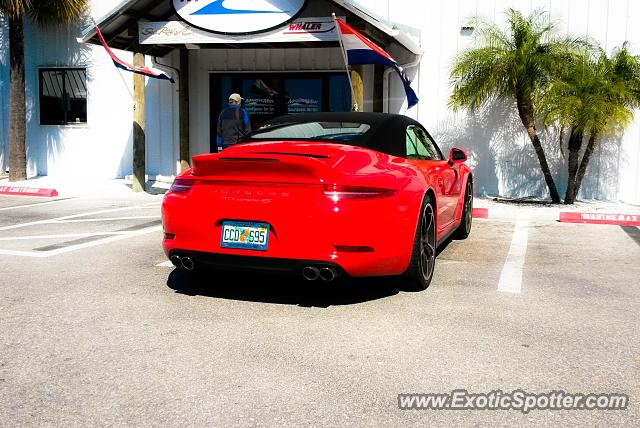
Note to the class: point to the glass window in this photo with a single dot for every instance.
(263, 98)
(303, 95)
(225, 90)
(339, 93)
(317, 131)
(63, 96)
(420, 146)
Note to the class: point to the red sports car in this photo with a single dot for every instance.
(322, 195)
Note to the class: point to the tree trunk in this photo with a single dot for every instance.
(591, 146)
(17, 107)
(525, 110)
(139, 137)
(575, 143)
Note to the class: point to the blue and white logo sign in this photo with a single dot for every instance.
(238, 16)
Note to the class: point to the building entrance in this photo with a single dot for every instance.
(267, 95)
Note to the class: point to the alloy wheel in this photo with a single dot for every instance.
(468, 207)
(427, 242)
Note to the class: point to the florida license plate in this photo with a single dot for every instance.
(245, 234)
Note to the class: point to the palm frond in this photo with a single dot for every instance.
(47, 12)
(515, 63)
(594, 93)
(14, 8)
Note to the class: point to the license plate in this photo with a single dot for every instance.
(245, 234)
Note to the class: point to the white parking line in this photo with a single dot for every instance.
(165, 264)
(54, 220)
(109, 236)
(43, 254)
(511, 276)
(37, 204)
(62, 235)
(88, 220)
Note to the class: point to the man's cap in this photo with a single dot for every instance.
(235, 97)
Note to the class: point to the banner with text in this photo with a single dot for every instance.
(178, 32)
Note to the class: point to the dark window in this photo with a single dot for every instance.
(313, 131)
(420, 145)
(268, 95)
(63, 96)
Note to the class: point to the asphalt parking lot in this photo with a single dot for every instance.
(97, 330)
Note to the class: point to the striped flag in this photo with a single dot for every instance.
(360, 50)
(150, 72)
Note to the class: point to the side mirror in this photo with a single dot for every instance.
(457, 156)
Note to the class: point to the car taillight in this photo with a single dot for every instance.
(336, 193)
(181, 185)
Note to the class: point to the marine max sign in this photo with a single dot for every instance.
(238, 16)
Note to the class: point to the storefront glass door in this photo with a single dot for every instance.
(269, 94)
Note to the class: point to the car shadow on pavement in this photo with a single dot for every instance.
(443, 246)
(281, 289)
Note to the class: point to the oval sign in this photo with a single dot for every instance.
(238, 16)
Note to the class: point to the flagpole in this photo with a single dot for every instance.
(346, 60)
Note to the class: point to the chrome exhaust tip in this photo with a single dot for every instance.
(187, 263)
(310, 273)
(175, 260)
(327, 274)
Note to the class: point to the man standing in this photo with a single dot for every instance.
(233, 122)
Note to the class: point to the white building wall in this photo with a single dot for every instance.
(101, 148)
(162, 116)
(504, 160)
(73, 150)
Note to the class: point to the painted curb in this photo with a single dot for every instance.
(600, 218)
(27, 191)
(481, 213)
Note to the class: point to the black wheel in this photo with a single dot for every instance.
(463, 231)
(418, 275)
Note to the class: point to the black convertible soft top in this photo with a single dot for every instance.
(387, 133)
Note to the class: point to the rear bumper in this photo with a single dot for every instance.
(252, 263)
(367, 237)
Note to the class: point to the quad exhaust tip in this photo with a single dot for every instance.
(312, 273)
(187, 263)
(176, 261)
(327, 274)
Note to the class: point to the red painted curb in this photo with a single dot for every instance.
(601, 218)
(481, 213)
(27, 191)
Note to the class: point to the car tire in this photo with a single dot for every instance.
(463, 231)
(419, 273)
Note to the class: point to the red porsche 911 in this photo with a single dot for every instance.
(322, 195)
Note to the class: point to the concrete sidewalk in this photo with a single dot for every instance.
(540, 210)
(89, 187)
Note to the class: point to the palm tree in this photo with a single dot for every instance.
(513, 64)
(42, 12)
(594, 96)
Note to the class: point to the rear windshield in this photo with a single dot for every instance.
(345, 132)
